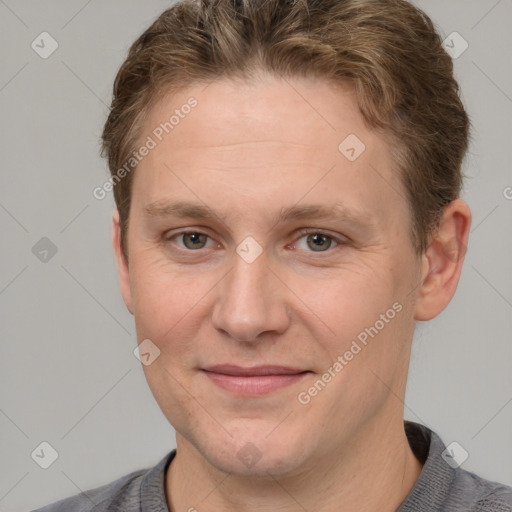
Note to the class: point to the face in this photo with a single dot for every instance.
(272, 266)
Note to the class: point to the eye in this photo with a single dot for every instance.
(311, 240)
(317, 241)
(190, 240)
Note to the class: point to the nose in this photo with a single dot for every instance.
(250, 301)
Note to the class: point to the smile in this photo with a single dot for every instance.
(254, 381)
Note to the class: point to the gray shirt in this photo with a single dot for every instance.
(439, 488)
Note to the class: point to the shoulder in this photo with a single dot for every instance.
(123, 491)
(443, 485)
(125, 494)
(486, 496)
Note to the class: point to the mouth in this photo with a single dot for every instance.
(254, 381)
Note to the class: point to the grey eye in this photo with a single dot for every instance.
(318, 242)
(194, 240)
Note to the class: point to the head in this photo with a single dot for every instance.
(289, 198)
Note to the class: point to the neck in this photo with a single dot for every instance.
(369, 475)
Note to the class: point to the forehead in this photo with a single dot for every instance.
(227, 112)
(273, 141)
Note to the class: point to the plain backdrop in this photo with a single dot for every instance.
(68, 375)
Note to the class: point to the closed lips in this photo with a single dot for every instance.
(240, 371)
(254, 381)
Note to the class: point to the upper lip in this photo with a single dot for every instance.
(229, 369)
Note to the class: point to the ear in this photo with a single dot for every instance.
(442, 261)
(122, 263)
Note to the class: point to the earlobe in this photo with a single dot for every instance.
(442, 261)
(122, 263)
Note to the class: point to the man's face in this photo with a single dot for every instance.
(322, 288)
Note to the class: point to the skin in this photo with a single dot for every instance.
(248, 150)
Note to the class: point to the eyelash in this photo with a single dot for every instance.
(302, 233)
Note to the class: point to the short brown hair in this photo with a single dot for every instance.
(387, 50)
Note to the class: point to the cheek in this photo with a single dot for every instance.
(162, 295)
(370, 348)
(366, 320)
(170, 308)
(348, 298)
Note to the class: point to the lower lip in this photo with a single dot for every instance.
(255, 384)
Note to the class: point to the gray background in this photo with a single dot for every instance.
(68, 375)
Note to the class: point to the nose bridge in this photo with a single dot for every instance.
(249, 302)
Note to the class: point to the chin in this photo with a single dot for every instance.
(253, 452)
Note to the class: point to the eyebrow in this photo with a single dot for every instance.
(183, 209)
